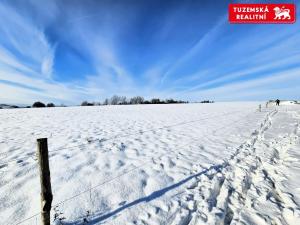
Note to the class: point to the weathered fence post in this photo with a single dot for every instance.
(46, 192)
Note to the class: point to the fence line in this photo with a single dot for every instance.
(94, 187)
(144, 165)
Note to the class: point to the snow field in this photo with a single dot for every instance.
(221, 163)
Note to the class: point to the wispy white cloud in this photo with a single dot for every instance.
(20, 36)
(207, 39)
(28, 57)
(254, 53)
(261, 69)
(8, 60)
(26, 63)
(279, 85)
(100, 41)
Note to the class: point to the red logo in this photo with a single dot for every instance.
(262, 13)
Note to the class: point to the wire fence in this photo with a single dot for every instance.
(146, 162)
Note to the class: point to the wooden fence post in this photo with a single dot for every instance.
(46, 192)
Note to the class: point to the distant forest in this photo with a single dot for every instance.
(114, 100)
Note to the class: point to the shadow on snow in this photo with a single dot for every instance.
(100, 217)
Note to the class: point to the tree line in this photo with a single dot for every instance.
(123, 100)
(114, 100)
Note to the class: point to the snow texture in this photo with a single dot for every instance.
(222, 163)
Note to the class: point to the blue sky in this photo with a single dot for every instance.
(67, 51)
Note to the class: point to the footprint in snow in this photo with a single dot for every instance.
(122, 147)
(3, 166)
(122, 203)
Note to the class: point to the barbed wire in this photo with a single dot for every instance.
(144, 165)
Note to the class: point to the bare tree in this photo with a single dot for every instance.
(106, 102)
(115, 100)
(137, 100)
(156, 101)
(122, 100)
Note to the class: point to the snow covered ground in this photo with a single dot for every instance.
(222, 163)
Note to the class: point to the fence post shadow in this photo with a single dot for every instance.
(156, 194)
